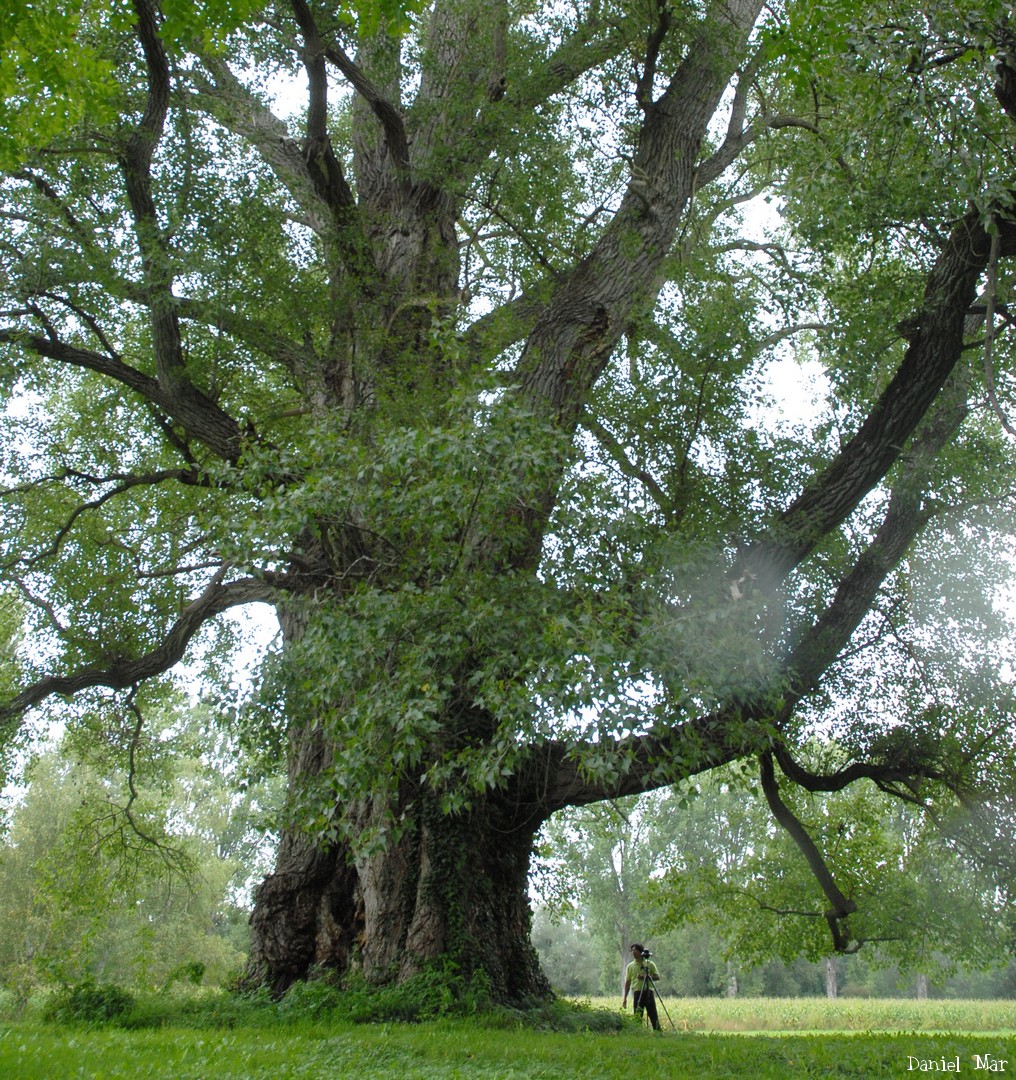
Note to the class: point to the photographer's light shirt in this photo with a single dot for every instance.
(637, 973)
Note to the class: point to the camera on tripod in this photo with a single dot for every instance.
(646, 954)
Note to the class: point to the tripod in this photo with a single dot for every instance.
(645, 976)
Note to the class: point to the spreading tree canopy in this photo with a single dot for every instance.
(462, 364)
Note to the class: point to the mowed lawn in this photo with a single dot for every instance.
(470, 1049)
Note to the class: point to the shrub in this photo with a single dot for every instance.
(192, 972)
(89, 1002)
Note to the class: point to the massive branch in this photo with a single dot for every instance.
(933, 353)
(197, 414)
(744, 724)
(591, 306)
(218, 596)
(322, 164)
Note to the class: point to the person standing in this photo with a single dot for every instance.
(641, 973)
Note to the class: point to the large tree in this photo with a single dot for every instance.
(458, 366)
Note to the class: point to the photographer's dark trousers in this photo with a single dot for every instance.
(646, 999)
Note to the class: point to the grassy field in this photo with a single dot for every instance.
(856, 1044)
(845, 1014)
(459, 1050)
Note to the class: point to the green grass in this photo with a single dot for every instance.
(219, 1037)
(460, 1049)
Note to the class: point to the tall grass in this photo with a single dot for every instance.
(822, 1014)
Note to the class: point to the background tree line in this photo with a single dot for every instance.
(148, 882)
(139, 881)
(704, 874)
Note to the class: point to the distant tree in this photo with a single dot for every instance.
(128, 885)
(568, 954)
(461, 367)
(927, 907)
(600, 860)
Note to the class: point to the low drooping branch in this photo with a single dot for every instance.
(175, 859)
(842, 907)
(881, 775)
(123, 673)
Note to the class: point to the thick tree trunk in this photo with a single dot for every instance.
(449, 887)
(443, 886)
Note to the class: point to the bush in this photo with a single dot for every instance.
(89, 1003)
(11, 1004)
(192, 972)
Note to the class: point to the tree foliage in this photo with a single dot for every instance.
(923, 904)
(128, 882)
(463, 366)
